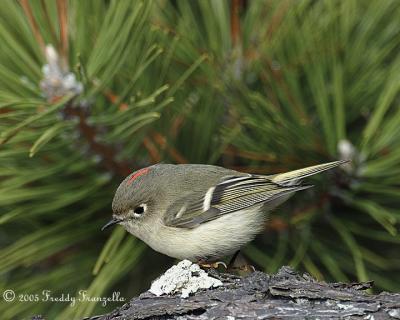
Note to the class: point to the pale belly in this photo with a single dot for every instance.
(209, 241)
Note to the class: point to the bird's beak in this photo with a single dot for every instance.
(111, 223)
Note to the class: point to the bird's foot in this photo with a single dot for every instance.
(244, 268)
(212, 265)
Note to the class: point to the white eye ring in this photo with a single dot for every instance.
(138, 211)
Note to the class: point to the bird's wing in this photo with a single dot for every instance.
(231, 194)
(293, 177)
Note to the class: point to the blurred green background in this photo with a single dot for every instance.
(91, 90)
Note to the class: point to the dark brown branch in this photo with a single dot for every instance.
(106, 153)
(62, 10)
(235, 22)
(32, 22)
(285, 295)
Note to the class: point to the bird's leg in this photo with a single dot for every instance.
(233, 259)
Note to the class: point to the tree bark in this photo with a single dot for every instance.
(285, 295)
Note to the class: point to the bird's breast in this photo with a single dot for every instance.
(210, 240)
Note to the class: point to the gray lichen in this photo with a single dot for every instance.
(184, 278)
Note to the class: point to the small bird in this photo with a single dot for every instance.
(201, 212)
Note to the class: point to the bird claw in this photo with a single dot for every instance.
(213, 265)
(240, 268)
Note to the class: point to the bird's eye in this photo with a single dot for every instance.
(139, 210)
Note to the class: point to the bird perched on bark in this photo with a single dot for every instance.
(201, 212)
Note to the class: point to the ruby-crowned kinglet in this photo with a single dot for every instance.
(201, 212)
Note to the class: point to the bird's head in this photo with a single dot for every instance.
(134, 202)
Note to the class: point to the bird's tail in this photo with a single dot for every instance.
(293, 177)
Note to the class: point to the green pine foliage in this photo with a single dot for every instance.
(259, 86)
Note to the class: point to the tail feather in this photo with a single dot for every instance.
(293, 177)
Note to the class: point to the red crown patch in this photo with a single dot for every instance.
(139, 173)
